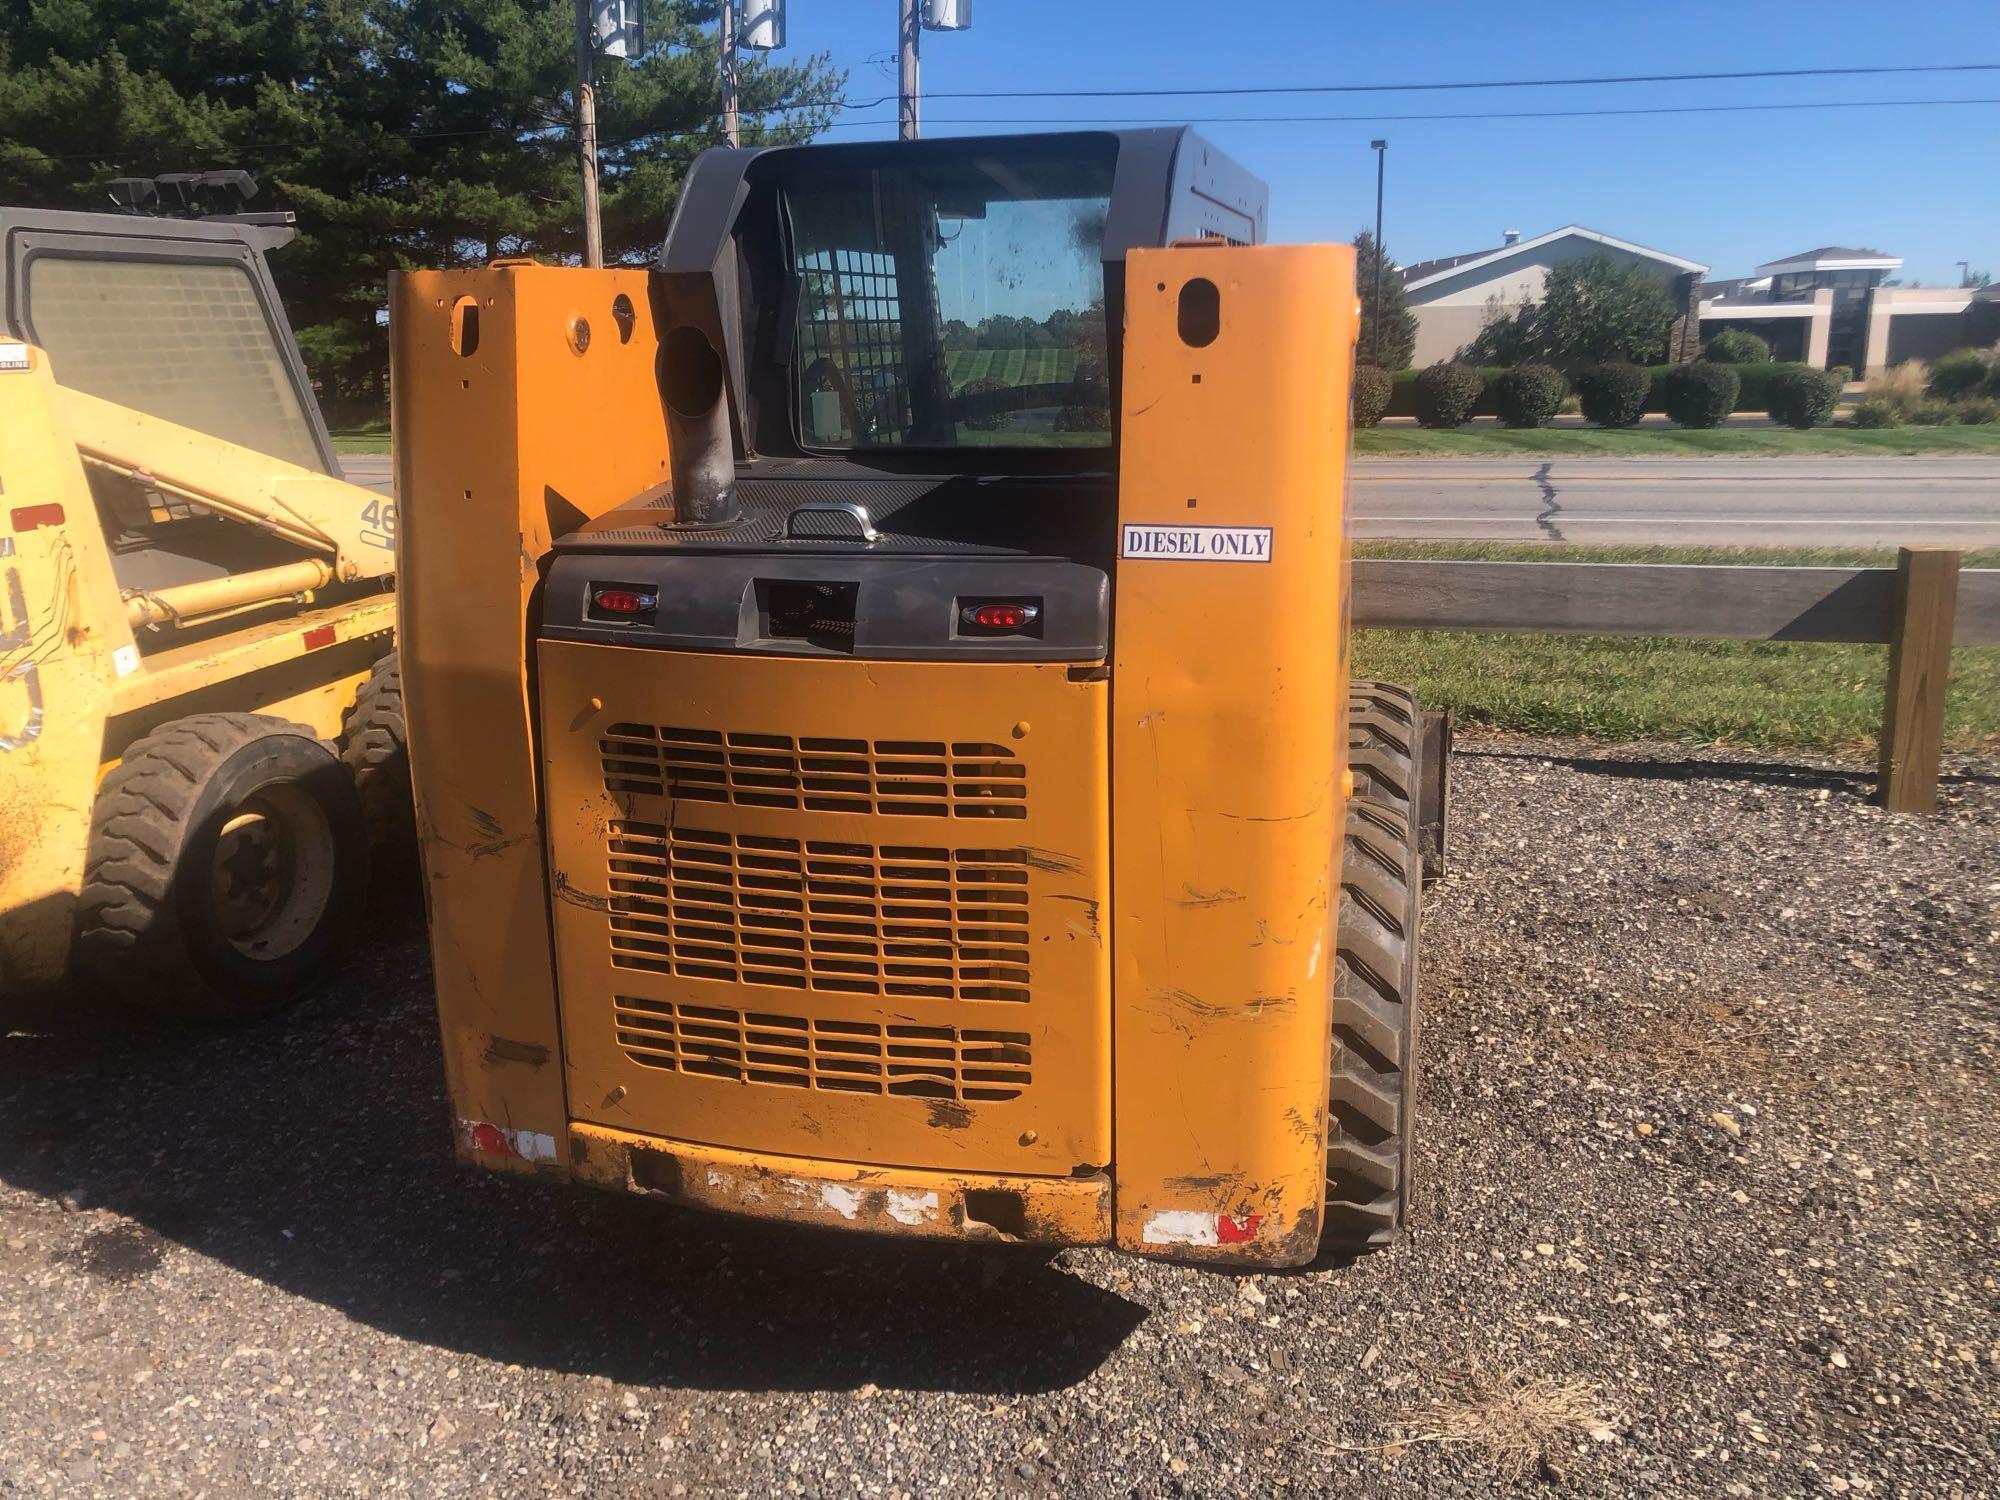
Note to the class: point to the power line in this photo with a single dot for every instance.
(1520, 114)
(1499, 83)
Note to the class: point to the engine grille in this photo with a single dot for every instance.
(937, 924)
(900, 778)
(857, 1057)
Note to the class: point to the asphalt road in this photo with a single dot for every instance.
(1836, 502)
(1830, 502)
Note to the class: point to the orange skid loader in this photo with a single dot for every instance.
(880, 716)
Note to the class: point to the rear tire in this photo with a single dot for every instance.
(375, 748)
(1372, 1083)
(228, 864)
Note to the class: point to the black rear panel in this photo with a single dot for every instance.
(795, 575)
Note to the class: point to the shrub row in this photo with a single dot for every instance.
(1753, 385)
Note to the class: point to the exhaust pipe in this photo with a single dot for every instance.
(700, 452)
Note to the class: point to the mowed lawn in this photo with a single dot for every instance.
(1768, 694)
(1669, 442)
(1013, 366)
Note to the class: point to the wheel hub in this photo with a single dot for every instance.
(272, 874)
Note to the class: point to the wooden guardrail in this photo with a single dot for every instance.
(1919, 609)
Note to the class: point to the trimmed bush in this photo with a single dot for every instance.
(1959, 373)
(1372, 390)
(1700, 395)
(1931, 414)
(1528, 395)
(1613, 395)
(1446, 394)
(1801, 397)
(1878, 414)
(1977, 411)
(1752, 390)
(1736, 346)
(1403, 403)
(1842, 374)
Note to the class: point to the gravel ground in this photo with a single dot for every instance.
(1708, 1207)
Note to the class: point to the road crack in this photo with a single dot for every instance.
(1551, 506)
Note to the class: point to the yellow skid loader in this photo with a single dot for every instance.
(196, 623)
(882, 737)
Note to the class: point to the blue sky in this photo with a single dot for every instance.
(1731, 189)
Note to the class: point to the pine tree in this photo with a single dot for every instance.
(402, 132)
(1397, 340)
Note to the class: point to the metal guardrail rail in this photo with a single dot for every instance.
(1919, 609)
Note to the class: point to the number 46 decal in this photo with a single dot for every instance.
(378, 518)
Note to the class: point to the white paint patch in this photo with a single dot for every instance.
(125, 660)
(1180, 1226)
(530, 1145)
(1240, 544)
(13, 356)
(503, 1140)
(913, 1208)
(742, 1189)
(842, 1199)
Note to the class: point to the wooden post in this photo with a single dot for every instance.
(586, 134)
(1920, 628)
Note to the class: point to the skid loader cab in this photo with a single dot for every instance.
(178, 318)
(911, 797)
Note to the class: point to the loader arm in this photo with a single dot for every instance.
(350, 528)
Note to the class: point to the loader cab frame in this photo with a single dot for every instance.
(785, 259)
(178, 318)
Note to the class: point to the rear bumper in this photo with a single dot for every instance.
(841, 1195)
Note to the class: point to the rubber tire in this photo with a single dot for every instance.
(375, 749)
(146, 922)
(1373, 1062)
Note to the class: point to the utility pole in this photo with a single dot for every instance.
(1964, 273)
(729, 132)
(908, 29)
(586, 135)
(1381, 149)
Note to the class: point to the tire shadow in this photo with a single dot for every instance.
(312, 1152)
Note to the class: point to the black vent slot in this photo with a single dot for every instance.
(820, 614)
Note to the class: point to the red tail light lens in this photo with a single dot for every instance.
(624, 601)
(1001, 616)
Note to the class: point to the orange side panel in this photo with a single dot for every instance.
(525, 403)
(1227, 727)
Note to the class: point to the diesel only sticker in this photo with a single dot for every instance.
(1251, 544)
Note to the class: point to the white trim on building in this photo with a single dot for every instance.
(1553, 235)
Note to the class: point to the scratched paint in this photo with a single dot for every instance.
(842, 1199)
(502, 1140)
(1187, 1226)
(912, 1208)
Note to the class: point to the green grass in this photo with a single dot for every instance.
(360, 442)
(1647, 442)
(1013, 366)
(1768, 694)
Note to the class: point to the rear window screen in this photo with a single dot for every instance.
(185, 341)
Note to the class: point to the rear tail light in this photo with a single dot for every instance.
(617, 601)
(1000, 616)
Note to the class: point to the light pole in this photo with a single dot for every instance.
(586, 132)
(1965, 273)
(728, 39)
(914, 17)
(908, 33)
(1381, 150)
